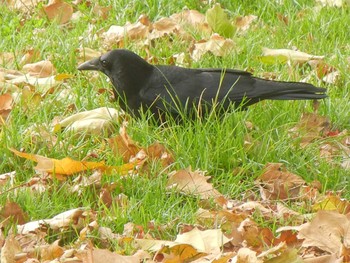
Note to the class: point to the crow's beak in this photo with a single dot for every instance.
(93, 64)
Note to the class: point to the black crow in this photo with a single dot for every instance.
(171, 89)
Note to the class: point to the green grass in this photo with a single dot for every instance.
(215, 145)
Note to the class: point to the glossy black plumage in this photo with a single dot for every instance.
(172, 89)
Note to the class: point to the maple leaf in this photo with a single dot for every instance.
(193, 183)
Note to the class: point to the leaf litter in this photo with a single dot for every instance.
(226, 230)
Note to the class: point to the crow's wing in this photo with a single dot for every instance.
(180, 87)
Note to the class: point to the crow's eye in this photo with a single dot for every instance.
(104, 63)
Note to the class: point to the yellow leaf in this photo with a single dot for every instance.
(63, 76)
(66, 166)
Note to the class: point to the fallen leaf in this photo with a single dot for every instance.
(243, 23)
(7, 58)
(277, 183)
(192, 19)
(333, 203)
(41, 69)
(59, 10)
(123, 145)
(219, 22)
(65, 166)
(328, 231)
(331, 3)
(180, 253)
(13, 211)
(157, 151)
(24, 5)
(9, 250)
(206, 241)
(85, 54)
(271, 56)
(310, 127)
(6, 102)
(246, 255)
(51, 252)
(72, 218)
(101, 11)
(6, 177)
(94, 121)
(96, 255)
(138, 30)
(192, 183)
(217, 45)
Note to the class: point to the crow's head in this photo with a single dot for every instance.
(126, 70)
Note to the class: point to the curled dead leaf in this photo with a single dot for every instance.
(41, 69)
(59, 10)
(192, 19)
(192, 183)
(6, 102)
(243, 23)
(328, 231)
(94, 121)
(277, 183)
(217, 45)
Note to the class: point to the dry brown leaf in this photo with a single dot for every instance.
(96, 255)
(29, 56)
(95, 121)
(138, 30)
(41, 69)
(101, 11)
(23, 5)
(328, 231)
(123, 145)
(277, 183)
(6, 177)
(13, 211)
(206, 241)
(310, 127)
(192, 19)
(51, 252)
(217, 45)
(324, 259)
(180, 253)
(9, 250)
(85, 54)
(42, 85)
(243, 23)
(157, 151)
(6, 102)
(246, 255)
(192, 183)
(76, 218)
(59, 10)
(6, 58)
(162, 27)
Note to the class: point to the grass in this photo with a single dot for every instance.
(215, 145)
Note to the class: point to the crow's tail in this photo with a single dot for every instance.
(290, 91)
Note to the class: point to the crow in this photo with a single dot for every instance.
(174, 90)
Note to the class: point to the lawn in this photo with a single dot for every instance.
(234, 149)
